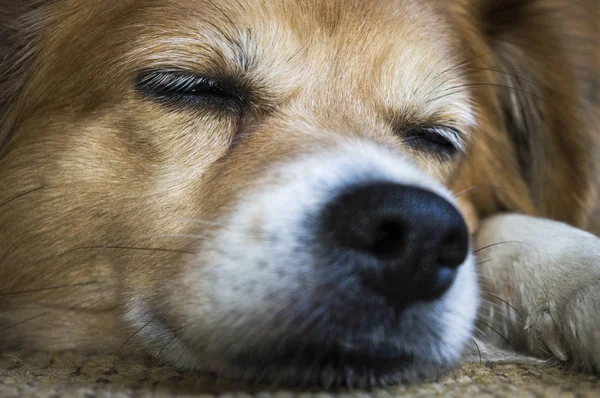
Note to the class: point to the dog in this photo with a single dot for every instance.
(341, 191)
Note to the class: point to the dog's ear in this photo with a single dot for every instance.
(21, 26)
(545, 60)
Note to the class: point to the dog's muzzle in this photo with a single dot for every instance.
(406, 242)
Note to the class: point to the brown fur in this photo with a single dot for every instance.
(87, 163)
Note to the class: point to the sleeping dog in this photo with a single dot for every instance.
(324, 191)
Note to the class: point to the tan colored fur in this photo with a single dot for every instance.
(108, 168)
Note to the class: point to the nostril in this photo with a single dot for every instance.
(389, 239)
(404, 242)
(453, 250)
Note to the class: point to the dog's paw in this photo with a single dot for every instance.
(569, 331)
(542, 279)
(543, 332)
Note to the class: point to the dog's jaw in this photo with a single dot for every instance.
(262, 305)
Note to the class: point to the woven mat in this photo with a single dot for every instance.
(74, 375)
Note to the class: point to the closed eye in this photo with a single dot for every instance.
(439, 140)
(185, 89)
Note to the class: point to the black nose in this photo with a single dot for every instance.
(406, 242)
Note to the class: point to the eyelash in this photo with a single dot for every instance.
(180, 88)
(440, 140)
(177, 88)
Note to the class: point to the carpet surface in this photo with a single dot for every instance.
(74, 375)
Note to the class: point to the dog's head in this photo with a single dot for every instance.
(257, 186)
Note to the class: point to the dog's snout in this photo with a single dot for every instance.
(406, 242)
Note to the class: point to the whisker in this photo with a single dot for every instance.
(127, 341)
(505, 302)
(498, 333)
(15, 358)
(458, 89)
(492, 69)
(454, 66)
(498, 244)
(25, 321)
(148, 249)
(19, 196)
(166, 345)
(499, 308)
(448, 94)
(462, 63)
(297, 52)
(478, 350)
(494, 85)
(48, 288)
(466, 191)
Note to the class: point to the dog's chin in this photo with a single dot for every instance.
(363, 347)
(310, 364)
(410, 346)
(386, 347)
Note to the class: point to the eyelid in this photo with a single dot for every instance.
(168, 80)
(440, 139)
(452, 134)
(191, 89)
(176, 80)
